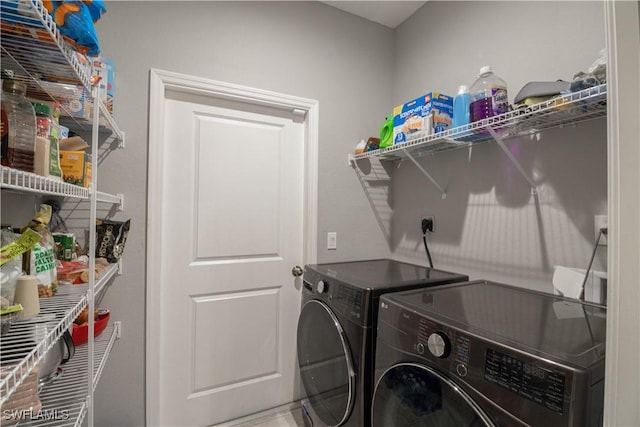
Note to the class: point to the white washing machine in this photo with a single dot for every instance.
(487, 354)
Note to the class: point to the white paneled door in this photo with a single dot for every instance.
(232, 229)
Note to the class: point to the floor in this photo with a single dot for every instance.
(284, 416)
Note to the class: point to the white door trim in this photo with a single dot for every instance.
(622, 372)
(160, 82)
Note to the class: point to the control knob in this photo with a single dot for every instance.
(322, 287)
(439, 345)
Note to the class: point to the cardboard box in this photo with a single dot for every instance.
(104, 69)
(78, 103)
(76, 167)
(428, 114)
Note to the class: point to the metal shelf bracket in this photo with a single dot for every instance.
(421, 169)
(513, 160)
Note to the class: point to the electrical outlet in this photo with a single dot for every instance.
(599, 222)
(332, 240)
(430, 223)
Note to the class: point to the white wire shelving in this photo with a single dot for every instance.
(64, 401)
(14, 179)
(56, 314)
(35, 52)
(561, 111)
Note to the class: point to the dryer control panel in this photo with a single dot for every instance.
(530, 380)
(347, 300)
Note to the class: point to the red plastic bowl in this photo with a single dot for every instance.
(80, 334)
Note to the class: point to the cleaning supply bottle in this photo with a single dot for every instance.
(488, 95)
(462, 107)
(18, 127)
(386, 132)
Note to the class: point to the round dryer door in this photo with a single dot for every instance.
(325, 363)
(412, 395)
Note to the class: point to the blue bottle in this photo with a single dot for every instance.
(462, 107)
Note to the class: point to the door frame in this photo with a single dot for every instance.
(160, 82)
(622, 372)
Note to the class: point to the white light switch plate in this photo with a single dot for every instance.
(332, 240)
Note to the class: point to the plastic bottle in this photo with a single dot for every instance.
(43, 119)
(488, 95)
(462, 107)
(43, 141)
(18, 127)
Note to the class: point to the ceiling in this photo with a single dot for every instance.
(388, 13)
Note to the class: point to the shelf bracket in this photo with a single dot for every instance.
(421, 169)
(515, 162)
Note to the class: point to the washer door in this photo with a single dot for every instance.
(325, 363)
(412, 395)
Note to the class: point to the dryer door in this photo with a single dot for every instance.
(326, 366)
(412, 395)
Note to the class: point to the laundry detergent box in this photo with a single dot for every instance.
(426, 115)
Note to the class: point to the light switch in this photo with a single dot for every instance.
(332, 240)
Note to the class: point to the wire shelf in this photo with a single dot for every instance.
(35, 53)
(565, 110)
(15, 179)
(65, 395)
(64, 401)
(56, 315)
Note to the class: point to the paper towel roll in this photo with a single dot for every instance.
(27, 296)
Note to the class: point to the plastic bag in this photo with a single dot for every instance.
(599, 67)
(41, 261)
(111, 237)
(595, 75)
(75, 21)
(10, 270)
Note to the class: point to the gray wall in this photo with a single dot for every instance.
(304, 49)
(488, 226)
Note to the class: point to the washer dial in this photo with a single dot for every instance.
(439, 345)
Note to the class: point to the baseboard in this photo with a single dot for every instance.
(289, 407)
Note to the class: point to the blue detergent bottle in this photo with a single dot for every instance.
(462, 107)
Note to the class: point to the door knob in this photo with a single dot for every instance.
(296, 271)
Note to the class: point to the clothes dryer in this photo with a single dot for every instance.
(488, 354)
(336, 333)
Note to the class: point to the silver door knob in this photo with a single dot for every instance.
(296, 271)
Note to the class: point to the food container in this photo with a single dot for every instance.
(6, 320)
(8, 317)
(80, 334)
